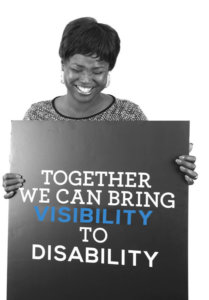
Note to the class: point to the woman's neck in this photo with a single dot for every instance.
(69, 107)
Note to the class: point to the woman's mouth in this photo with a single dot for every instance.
(84, 90)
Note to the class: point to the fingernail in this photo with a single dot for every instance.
(182, 168)
(189, 180)
(178, 161)
(182, 157)
(187, 177)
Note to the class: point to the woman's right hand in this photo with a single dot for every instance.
(11, 183)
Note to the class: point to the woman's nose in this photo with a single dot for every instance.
(85, 78)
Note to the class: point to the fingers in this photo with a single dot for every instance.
(11, 183)
(187, 165)
(188, 158)
(192, 174)
(184, 165)
(14, 187)
(189, 180)
(9, 195)
(11, 176)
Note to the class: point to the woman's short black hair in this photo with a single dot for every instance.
(88, 37)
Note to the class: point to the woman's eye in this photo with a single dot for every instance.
(98, 73)
(76, 70)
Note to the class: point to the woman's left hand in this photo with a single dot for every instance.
(187, 165)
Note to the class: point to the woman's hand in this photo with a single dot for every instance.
(187, 166)
(11, 183)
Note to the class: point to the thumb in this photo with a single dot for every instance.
(190, 147)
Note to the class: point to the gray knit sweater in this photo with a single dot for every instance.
(118, 110)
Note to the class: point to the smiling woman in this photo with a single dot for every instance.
(88, 52)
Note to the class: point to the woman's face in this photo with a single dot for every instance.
(85, 77)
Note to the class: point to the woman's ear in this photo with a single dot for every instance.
(62, 65)
(108, 80)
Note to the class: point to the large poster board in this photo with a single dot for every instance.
(103, 213)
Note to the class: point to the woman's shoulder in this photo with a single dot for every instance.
(129, 110)
(42, 110)
(126, 103)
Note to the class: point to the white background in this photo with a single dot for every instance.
(163, 66)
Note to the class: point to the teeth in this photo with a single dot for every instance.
(84, 90)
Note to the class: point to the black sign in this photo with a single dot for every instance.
(103, 212)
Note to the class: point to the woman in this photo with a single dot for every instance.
(88, 52)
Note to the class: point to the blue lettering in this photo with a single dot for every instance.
(40, 216)
(63, 213)
(145, 217)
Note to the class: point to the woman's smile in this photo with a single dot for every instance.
(84, 90)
